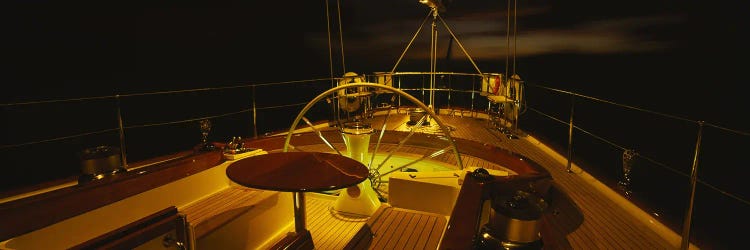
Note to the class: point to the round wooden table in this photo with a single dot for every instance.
(297, 172)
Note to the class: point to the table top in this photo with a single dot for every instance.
(297, 171)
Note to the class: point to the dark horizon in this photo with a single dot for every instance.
(62, 51)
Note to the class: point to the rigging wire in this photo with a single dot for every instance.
(447, 28)
(515, 33)
(341, 36)
(414, 37)
(334, 110)
(158, 92)
(460, 45)
(330, 46)
(507, 44)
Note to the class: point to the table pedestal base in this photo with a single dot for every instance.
(296, 240)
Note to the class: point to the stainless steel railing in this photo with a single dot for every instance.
(256, 100)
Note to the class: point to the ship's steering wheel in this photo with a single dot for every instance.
(375, 176)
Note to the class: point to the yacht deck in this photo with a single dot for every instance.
(583, 213)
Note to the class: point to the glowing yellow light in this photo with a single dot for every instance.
(430, 3)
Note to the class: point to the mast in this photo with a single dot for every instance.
(435, 7)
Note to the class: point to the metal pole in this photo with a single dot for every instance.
(299, 212)
(450, 89)
(433, 59)
(570, 133)
(255, 115)
(399, 97)
(517, 105)
(473, 90)
(336, 111)
(693, 179)
(123, 159)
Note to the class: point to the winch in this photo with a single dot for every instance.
(98, 162)
(515, 222)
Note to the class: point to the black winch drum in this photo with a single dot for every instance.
(416, 114)
(100, 160)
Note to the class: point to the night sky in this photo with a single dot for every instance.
(66, 49)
